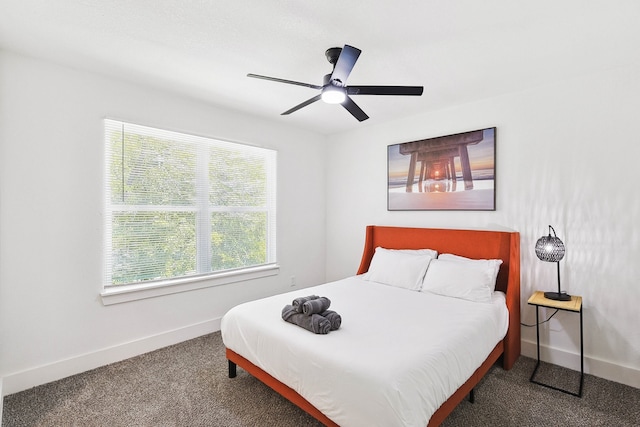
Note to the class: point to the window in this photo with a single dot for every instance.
(184, 206)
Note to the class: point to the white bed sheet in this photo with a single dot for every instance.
(397, 357)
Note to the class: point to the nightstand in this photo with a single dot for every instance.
(574, 305)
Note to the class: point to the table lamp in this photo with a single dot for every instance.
(551, 249)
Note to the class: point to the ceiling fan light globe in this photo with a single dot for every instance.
(333, 96)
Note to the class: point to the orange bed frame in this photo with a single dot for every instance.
(478, 244)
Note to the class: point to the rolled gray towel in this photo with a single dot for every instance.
(297, 303)
(314, 323)
(333, 317)
(316, 306)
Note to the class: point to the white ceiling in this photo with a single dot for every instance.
(459, 50)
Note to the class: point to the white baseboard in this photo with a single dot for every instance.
(597, 367)
(24, 380)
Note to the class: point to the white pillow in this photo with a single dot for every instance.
(466, 280)
(493, 265)
(397, 268)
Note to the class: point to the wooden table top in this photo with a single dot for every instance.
(575, 304)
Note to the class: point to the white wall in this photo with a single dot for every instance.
(567, 155)
(52, 320)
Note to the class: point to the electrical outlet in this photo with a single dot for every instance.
(292, 281)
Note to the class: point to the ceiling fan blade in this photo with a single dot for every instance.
(355, 111)
(385, 90)
(304, 104)
(347, 59)
(291, 82)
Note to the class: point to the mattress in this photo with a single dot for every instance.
(397, 357)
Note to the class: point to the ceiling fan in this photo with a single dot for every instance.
(334, 89)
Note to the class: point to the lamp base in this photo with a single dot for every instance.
(558, 296)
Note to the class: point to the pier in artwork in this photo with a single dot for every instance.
(437, 158)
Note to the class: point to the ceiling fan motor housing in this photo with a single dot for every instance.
(327, 80)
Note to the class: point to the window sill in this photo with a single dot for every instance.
(126, 293)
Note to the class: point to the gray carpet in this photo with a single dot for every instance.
(187, 385)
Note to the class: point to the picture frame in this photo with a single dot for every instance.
(452, 172)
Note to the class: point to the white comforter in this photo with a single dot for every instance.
(397, 357)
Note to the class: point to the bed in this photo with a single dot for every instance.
(385, 366)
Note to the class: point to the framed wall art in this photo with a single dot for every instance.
(453, 172)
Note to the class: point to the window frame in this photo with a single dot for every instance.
(117, 293)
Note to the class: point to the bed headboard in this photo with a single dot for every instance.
(478, 244)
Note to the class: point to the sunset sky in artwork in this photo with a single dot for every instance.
(481, 156)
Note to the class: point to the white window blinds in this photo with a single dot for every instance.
(181, 205)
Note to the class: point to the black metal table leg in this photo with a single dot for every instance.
(578, 309)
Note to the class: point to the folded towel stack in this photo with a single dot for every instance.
(314, 323)
(312, 314)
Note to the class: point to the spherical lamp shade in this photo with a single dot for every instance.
(550, 248)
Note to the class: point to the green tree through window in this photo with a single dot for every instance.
(180, 205)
